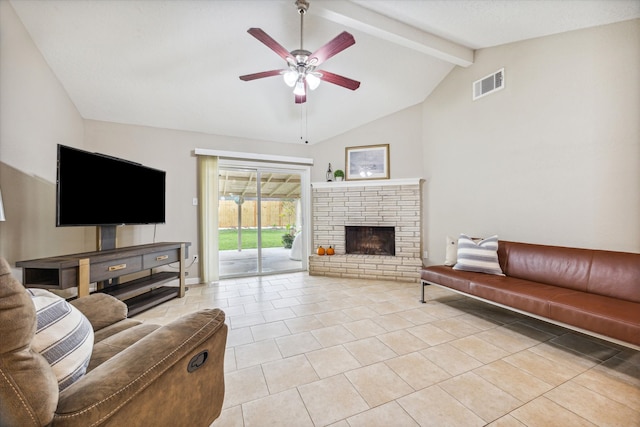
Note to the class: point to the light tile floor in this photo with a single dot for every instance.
(315, 351)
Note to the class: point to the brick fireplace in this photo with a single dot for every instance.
(394, 204)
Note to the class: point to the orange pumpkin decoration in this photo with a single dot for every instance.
(321, 250)
(330, 251)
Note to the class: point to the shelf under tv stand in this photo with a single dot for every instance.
(102, 267)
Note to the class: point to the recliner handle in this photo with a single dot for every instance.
(197, 361)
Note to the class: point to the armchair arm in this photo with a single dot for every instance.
(101, 309)
(149, 383)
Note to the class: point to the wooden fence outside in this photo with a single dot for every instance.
(274, 214)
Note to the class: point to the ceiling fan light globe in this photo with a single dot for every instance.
(299, 89)
(313, 81)
(290, 78)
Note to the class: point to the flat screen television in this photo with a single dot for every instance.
(96, 189)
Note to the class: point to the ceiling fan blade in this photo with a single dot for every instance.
(335, 46)
(270, 43)
(260, 75)
(339, 80)
(300, 99)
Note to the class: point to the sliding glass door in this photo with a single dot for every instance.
(260, 220)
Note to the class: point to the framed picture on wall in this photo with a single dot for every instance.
(367, 162)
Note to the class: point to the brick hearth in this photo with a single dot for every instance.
(389, 203)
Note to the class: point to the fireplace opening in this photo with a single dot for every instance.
(365, 240)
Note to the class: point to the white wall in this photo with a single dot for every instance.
(402, 131)
(35, 115)
(554, 158)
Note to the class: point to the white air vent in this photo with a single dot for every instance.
(488, 84)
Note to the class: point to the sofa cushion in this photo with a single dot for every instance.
(114, 344)
(114, 329)
(446, 276)
(611, 317)
(519, 294)
(611, 269)
(552, 265)
(63, 336)
(479, 257)
(101, 310)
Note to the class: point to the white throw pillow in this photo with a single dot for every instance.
(64, 336)
(480, 257)
(451, 256)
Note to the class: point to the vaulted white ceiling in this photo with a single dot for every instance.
(175, 64)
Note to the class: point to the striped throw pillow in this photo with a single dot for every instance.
(64, 336)
(479, 257)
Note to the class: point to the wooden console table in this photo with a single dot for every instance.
(106, 268)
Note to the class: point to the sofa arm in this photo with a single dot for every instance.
(101, 309)
(152, 382)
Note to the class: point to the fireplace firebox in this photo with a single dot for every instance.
(370, 240)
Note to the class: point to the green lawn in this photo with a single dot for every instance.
(271, 238)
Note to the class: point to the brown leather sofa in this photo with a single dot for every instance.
(591, 291)
(139, 374)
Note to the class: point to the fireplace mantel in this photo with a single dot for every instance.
(366, 183)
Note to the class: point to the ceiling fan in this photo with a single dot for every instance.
(302, 65)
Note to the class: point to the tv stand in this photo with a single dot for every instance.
(79, 270)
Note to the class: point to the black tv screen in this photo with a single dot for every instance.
(96, 189)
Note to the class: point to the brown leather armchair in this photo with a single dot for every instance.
(138, 375)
